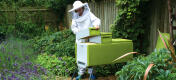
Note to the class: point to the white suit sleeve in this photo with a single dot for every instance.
(74, 27)
(95, 21)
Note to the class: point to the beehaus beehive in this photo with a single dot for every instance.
(101, 49)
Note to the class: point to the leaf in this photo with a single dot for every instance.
(147, 71)
(171, 48)
(125, 55)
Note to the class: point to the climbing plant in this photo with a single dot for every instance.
(131, 24)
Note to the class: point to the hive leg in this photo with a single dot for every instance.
(90, 71)
(81, 71)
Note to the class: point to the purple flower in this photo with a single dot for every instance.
(8, 58)
(60, 58)
(9, 78)
(66, 70)
(57, 66)
(35, 69)
(17, 79)
(3, 49)
(3, 65)
(42, 69)
(29, 63)
(5, 70)
(16, 57)
(9, 53)
(22, 70)
(13, 76)
(27, 57)
(15, 64)
(64, 63)
(27, 77)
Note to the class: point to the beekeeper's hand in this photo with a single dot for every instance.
(97, 27)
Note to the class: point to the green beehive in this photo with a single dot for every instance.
(93, 31)
(90, 32)
(105, 37)
(92, 54)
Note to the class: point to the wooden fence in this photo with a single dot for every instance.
(106, 10)
(159, 20)
(29, 14)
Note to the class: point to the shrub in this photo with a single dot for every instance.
(24, 30)
(131, 24)
(110, 69)
(60, 43)
(162, 70)
(62, 66)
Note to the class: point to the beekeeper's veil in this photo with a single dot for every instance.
(77, 5)
(83, 21)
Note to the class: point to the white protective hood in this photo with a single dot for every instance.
(84, 21)
(88, 19)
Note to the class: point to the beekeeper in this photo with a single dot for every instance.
(82, 19)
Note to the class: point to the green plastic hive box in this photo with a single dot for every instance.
(103, 38)
(106, 37)
(92, 54)
(92, 31)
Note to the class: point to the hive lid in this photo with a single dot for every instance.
(120, 40)
(106, 33)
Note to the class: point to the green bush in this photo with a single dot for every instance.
(110, 69)
(162, 70)
(62, 66)
(131, 23)
(61, 43)
(23, 27)
(24, 30)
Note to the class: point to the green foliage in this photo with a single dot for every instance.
(62, 66)
(7, 4)
(25, 30)
(28, 30)
(60, 43)
(135, 69)
(23, 26)
(131, 23)
(110, 69)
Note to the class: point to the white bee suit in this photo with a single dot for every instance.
(79, 23)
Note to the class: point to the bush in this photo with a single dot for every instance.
(62, 66)
(60, 43)
(110, 69)
(162, 70)
(131, 24)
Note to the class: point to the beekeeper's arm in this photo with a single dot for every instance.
(95, 21)
(74, 27)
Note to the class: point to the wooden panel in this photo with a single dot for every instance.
(159, 20)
